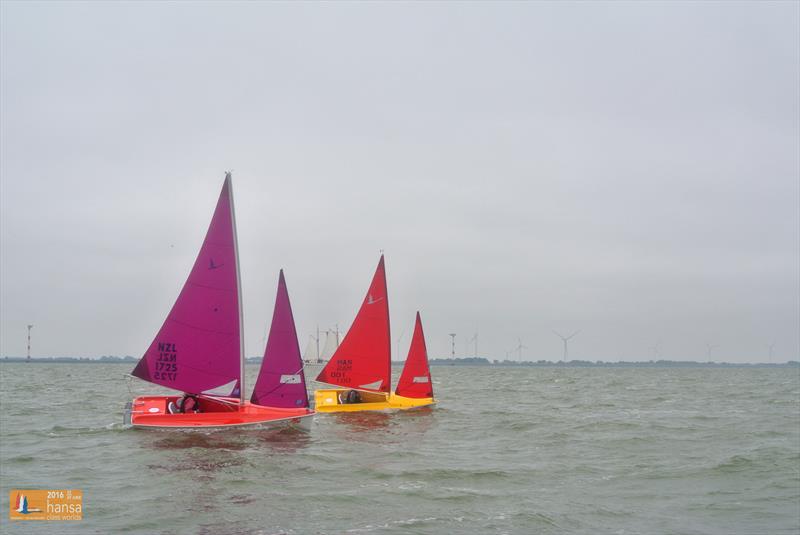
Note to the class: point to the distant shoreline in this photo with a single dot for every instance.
(471, 361)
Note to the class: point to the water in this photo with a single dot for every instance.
(541, 450)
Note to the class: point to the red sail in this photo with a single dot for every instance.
(364, 359)
(415, 381)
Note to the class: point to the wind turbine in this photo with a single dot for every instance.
(565, 339)
(453, 347)
(771, 350)
(519, 349)
(656, 350)
(475, 340)
(709, 348)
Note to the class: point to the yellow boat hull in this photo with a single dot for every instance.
(329, 400)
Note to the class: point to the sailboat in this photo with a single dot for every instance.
(362, 364)
(199, 349)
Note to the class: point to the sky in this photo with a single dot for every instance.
(629, 170)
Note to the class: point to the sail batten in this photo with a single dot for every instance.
(198, 347)
(363, 359)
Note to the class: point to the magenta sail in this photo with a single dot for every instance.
(198, 348)
(281, 382)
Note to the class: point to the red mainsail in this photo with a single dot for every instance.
(415, 381)
(364, 360)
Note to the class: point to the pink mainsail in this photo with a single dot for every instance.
(415, 380)
(199, 345)
(364, 359)
(281, 382)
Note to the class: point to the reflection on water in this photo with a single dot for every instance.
(203, 463)
(285, 439)
(219, 464)
(421, 412)
(182, 440)
(363, 422)
(375, 424)
(209, 452)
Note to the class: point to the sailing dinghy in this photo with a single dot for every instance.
(362, 364)
(199, 349)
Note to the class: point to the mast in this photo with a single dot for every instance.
(388, 330)
(238, 289)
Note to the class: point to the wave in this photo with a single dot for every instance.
(737, 463)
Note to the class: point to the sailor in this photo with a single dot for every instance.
(188, 403)
(351, 396)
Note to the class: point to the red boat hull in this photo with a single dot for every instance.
(215, 412)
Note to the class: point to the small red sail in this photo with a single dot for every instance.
(198, 347)
(364, 360)
(415, 381)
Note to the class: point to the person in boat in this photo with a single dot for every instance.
(351, 396)
(187, 404)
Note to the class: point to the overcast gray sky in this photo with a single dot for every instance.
(628, 169)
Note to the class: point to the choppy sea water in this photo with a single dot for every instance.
(507, 450)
